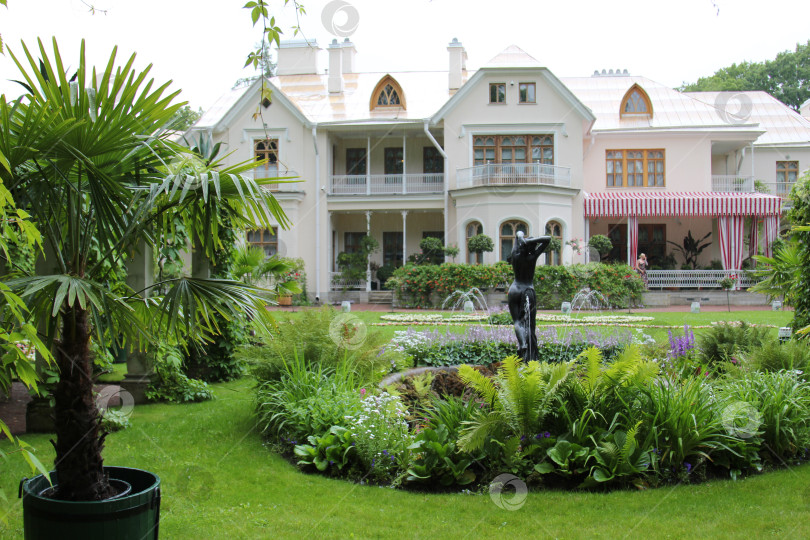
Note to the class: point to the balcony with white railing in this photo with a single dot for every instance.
(513, 174)
(386, 184)
(781, 189)
(339, 283)
(697, 279)
(731, 183)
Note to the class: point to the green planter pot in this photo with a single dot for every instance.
(135, 515)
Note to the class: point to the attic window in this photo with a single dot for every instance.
(386, 94)
(636, 102)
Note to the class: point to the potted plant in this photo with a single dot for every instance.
(601, 244)
(89, 160)
(727, 284)
(479, 244)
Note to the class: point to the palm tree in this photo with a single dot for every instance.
(90, 161)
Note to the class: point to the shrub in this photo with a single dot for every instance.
(170, 383)
(601, 244)
(217, 361)
(309, 338)
(306, 400)
(775, 356)
(480, 243)
(725, 341)
(775, 406)
(427, 285)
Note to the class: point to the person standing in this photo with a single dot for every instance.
(641, 268)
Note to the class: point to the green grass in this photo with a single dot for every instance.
(778, 318)
(220, 481)
(116, 375)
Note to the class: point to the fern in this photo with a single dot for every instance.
(520, 397)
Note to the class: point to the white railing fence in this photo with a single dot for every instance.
(386, 184)
(731, 183)
(339, 284)
(697, 279)
(504, 174)
(775, 188)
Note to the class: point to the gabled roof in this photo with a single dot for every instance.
(783, 124)
(233, 104)
(672, 109)
(513, 57)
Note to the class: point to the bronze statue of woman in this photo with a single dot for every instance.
(521, 298)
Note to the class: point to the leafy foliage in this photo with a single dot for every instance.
(306, 399)
(691, 249)
(480, 243)
(724, 341)
(171, 383)
(601, 244)
(799, 215)
(517, 400)
(786, 77)
(426, 285)
(308, 338)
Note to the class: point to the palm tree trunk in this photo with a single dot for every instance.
(79, 465)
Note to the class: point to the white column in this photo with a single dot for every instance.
(587, 240)
(331, 246)
(630, 262)
(404, 237)
(368, 265)
(404, 163)
(368, 165)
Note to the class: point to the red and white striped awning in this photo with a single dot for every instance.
(690, 204)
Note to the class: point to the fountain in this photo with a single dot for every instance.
(590, 300)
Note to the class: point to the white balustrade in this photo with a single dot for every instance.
(697, 279)
(507, 174)
(386, 184)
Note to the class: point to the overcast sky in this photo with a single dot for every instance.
(202, 44)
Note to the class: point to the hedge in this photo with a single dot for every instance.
(429, 285)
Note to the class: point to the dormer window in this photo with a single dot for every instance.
(387, 93)
(636, 102)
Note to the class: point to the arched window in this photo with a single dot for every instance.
(387, 93)
(507, 235)
(474, 228)
(636, 102)
(554, 230)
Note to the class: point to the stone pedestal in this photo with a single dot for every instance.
(139, 375)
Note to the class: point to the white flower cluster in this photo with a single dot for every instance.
(432, 317)
(381, 434)
(591, 319)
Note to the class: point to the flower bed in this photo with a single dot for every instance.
(433, 317)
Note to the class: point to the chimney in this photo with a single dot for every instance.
(458, 64)
(335, 81)
(297, 57)
(348, 56)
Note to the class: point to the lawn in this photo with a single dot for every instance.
(221, 481)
